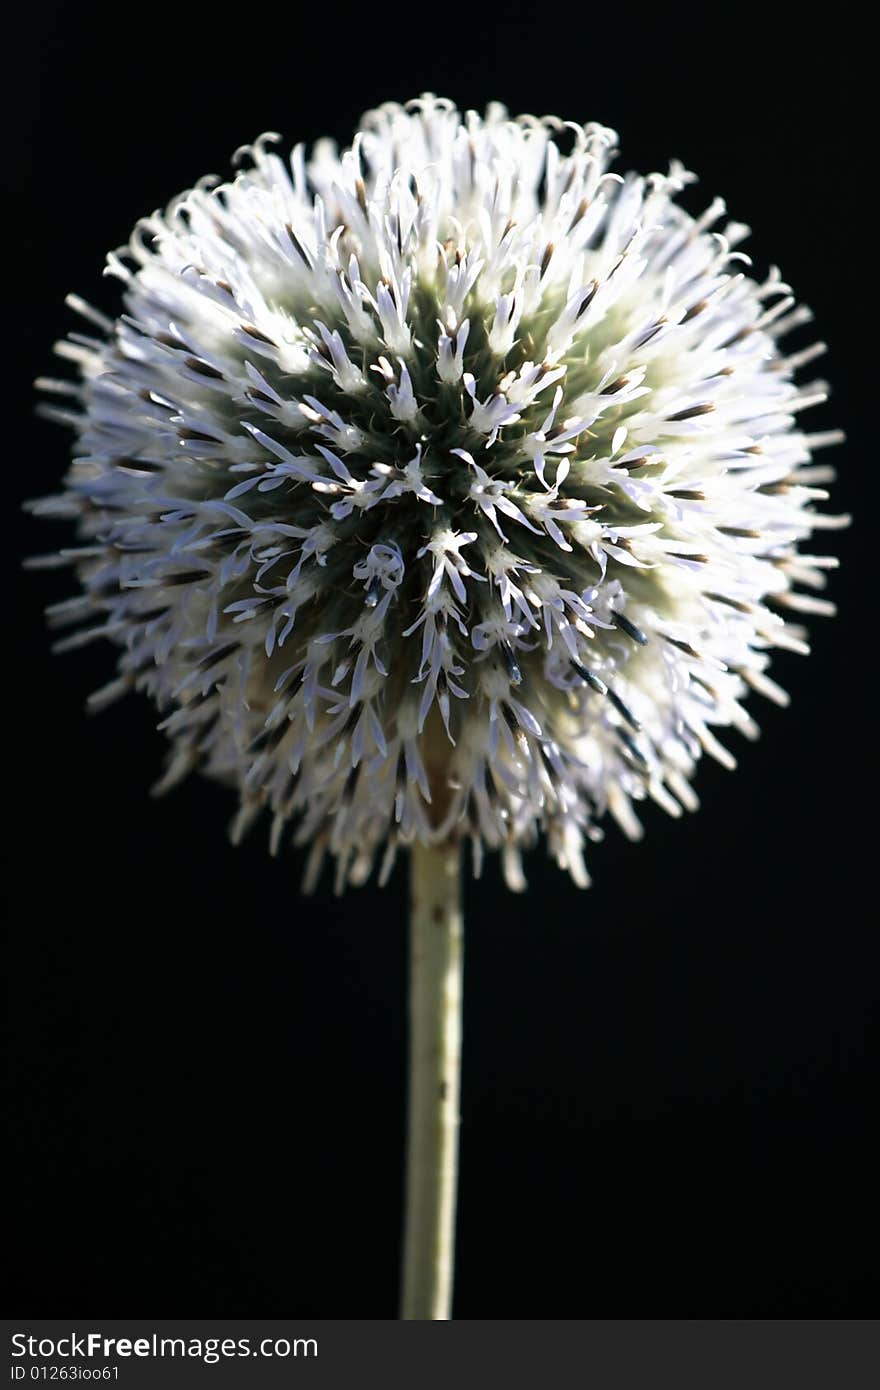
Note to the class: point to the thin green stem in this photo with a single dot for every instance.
(435, 996)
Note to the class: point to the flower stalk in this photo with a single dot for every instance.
(435, 1003)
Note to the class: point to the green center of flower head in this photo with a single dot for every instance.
(449, 485)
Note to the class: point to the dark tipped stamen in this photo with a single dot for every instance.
(591, 678)
(510, 662)
(196, 364)
(632, 747)
(270, 736)
(615, 386)
(623, 710)
(630, 629)
(510, 719)
(588, 298)
(652, 332)
(692, 411)
(184, 577)
(682, 646)
(215, 657)
(298, 247)
(731, 602)
(695, 309)
(198, 436)
(253, 332)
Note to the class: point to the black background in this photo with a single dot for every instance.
(667, 1085)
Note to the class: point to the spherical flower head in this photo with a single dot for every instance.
(450, 485)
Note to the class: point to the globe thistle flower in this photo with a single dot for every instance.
(449, 482)
(448, 487)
